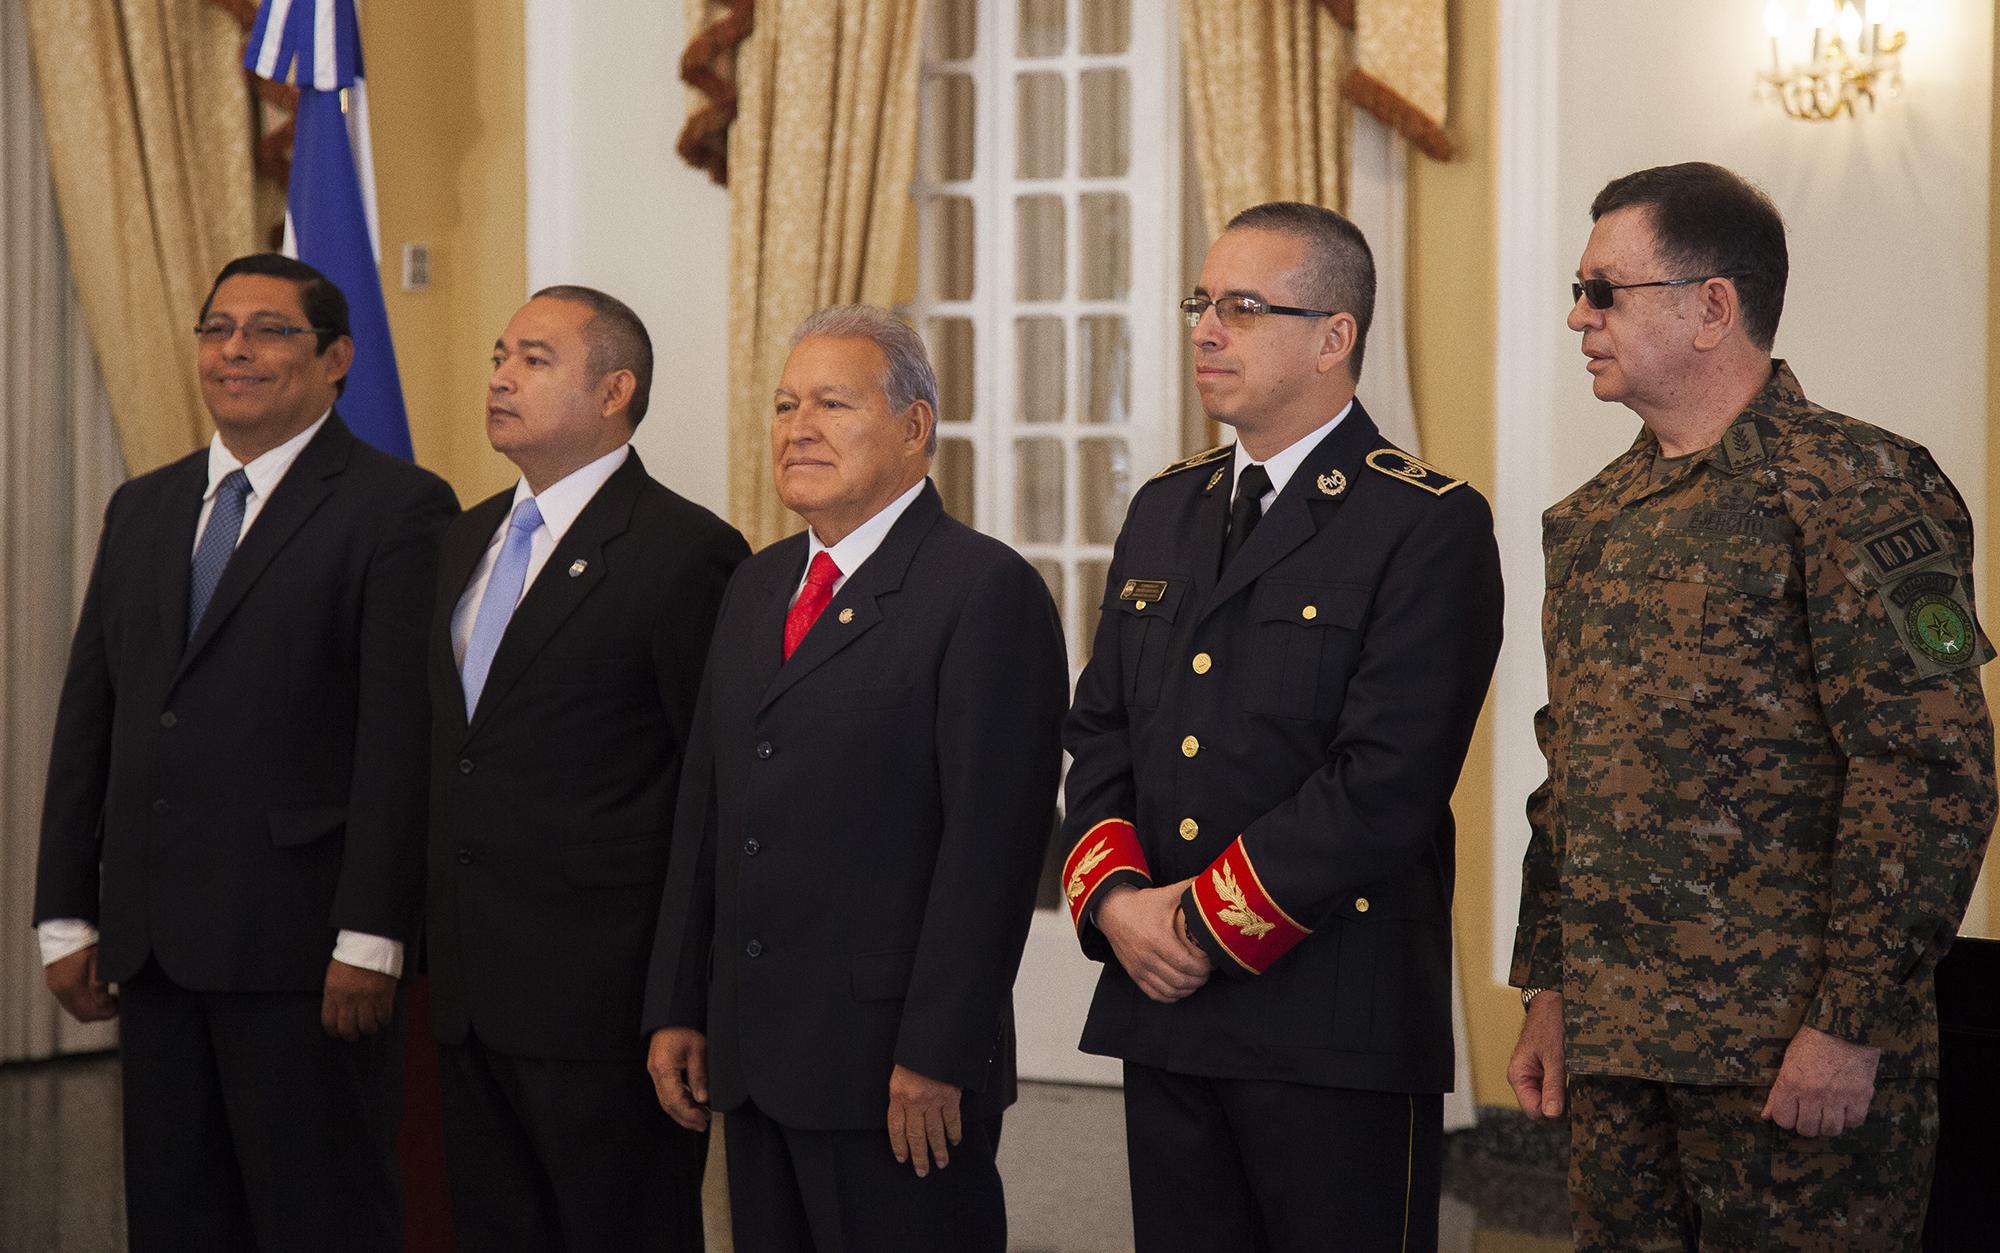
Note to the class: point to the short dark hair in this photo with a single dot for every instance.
(616, 340)
(1340, 269)
(1708, 220)
(324, 303)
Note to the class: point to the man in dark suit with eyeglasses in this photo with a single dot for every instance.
(232, 837)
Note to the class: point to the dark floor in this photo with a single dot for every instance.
(59, 1189)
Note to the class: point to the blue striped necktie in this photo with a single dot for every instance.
(503, 592)
(218, 542)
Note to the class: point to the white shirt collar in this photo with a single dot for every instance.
(863, 540)
(561, 501)
(264, 470)
(1281, 465)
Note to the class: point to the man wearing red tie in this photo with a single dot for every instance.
(869, 791)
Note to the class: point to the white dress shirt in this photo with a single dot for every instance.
(860, 543)
(59, 937)
(560, 503)
(1281, 465)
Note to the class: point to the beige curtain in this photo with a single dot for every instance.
(820, 161)
(59, 463)
(1264, 111)
(148, 127)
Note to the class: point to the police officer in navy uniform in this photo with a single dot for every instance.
(1297, 635)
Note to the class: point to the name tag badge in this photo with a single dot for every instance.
(1143, 589)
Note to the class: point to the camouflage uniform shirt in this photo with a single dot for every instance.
(1770, 763)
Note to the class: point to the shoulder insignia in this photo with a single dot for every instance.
(1402, 467)
(1216, 453)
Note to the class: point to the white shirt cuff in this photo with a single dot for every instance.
(369, 952)
(62, 936)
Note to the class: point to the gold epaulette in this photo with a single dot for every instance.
(1216, 453)
(1404, 468)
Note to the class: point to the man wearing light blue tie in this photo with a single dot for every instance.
(573, 615)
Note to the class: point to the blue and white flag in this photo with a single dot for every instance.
(330, 206)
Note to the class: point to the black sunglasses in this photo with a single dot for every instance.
(1600, 291)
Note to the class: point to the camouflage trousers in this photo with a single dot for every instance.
(1675, 1168)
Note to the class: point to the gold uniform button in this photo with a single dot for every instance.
(1139, 606)
(1189, 828)
(1201, 663)
(1309, 612)
(1190, 746)
(1360, 904)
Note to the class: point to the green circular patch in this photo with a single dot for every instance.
(1941, 627)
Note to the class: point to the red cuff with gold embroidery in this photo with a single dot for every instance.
(1240, 914)
(1108, 847)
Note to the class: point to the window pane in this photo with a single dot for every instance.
(1104, 485)
(951, 248)
(1038, 491)
(1039, 377)
(1038, 126)
(1105, 222)
(954, 29)
(1042, 32)
(1104, 98)
(950, 342)
(1039, 253)
(950, 118)
(1090, 576)
(955, 470)
(1107, 25)
(1104, 362)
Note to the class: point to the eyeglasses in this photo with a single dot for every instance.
(1240, 312)
(218, 331)
(1599, 291)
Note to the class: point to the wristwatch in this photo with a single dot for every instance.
(1528, 996)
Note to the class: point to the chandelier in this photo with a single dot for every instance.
(1825, 60)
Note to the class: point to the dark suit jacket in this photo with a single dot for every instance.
(551, 814)
(228, 805)
(861, 827)
(1330, 679)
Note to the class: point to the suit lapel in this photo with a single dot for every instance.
(573, 571)
(1296, 515)
(854, 608)
(771, 602)
(301, 492)
(174, 553)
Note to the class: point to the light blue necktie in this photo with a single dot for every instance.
(218, 543)
(503, 592)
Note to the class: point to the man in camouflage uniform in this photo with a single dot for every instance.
(1770, 767)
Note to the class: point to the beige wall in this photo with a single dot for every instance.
(444, 84)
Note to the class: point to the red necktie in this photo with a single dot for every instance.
(813, 598)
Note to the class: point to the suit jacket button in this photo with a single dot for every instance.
(161, 806)
(751, 848)
(754, 948)
(764, 750)
(167, 719)
(465, 857)
(465, 765)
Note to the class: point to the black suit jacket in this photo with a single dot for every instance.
(552, 813)
(1289, 734)
(861, 827)
(227, 803)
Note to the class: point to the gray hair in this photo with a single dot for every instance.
(908, 376)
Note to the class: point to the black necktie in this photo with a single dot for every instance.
(1246, 510)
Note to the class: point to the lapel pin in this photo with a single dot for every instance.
(846, 616)
(1213, 479)
(1332, 484)
(578, 567)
